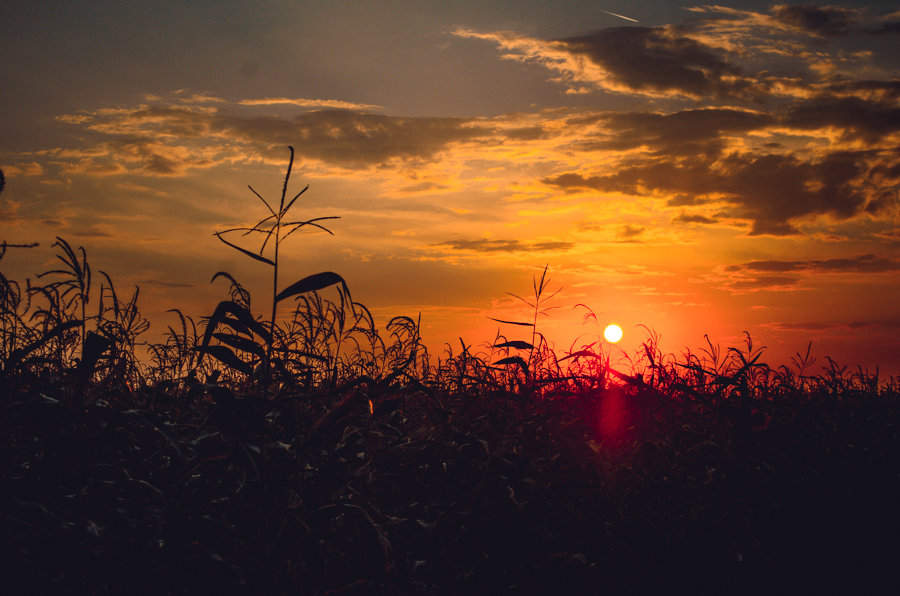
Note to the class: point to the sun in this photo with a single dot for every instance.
(612, 333)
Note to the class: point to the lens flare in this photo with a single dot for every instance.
(612, 333)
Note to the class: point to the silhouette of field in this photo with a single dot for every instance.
(313, 453)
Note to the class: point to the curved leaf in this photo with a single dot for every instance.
(519, 345)
(252, 255)
(220, 315)
(512, 322)
(514, 360)
(311, 284)
(241, 343)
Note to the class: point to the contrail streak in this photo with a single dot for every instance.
(620, 16)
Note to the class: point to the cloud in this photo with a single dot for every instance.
(892, 235)
(93, 231)
(629, 232)
(867, 263)
(772, 191)
(854, 116)
(827, 326)
(693, 218)
(169, 139)
(30, 168)
(657, 61)
(485, 245)
(653, 61)
(818, 20)
(762, 282)
(872, 90)
(354, 138)
(686, 132)
(308, 103)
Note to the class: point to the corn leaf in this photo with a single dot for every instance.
(512, 322)
(517, 344)
(514, 360)
(252, 255)
(311, 284)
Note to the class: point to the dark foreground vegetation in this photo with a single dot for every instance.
(320, 455)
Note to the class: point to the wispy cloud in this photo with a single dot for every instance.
(308, 103)
(485, 245)
(867, 263)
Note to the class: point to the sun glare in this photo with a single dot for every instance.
(612, 333)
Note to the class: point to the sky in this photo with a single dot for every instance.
(683, 171)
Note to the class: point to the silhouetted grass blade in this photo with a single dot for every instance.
(517, 344)
(514, 360)
(512, 322)
(312, 283)
(221, 315)
(241, 343)
(16, 356)
(582, 354)
(252, 255)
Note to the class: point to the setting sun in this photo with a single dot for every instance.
(612, 333)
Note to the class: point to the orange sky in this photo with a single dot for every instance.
(705, 170)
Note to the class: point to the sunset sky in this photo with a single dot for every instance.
(692, 169)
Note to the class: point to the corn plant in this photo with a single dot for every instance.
(537, 351)
(249, 336)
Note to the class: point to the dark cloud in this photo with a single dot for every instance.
(868, 263)
(693, 218)
(819, 20)
(886, 90)
(92, 233)
(871, 120)
(630, 232)
(526, 133)
(145, 135)
(890, 235)
(770, 190)
(423, 187)
(659, 60)
(825, 326)
(762, 282)
(688, 132)
(357, 138)
(487, 245)
(888, 27)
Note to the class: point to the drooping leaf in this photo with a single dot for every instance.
(312, 283)
(514, 360)
(512, 322)
(517, 344)
(252, 255)
(582, 354)
(220, 315)
(241, 343)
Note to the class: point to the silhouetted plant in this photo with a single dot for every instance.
(244, 327)
(540, 365)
